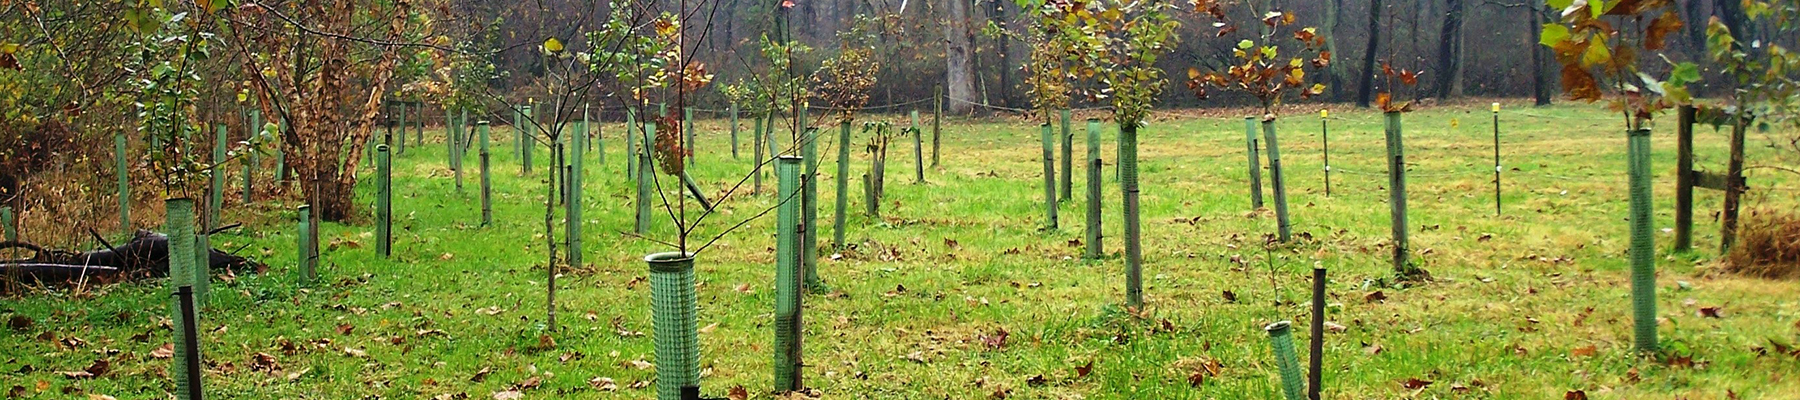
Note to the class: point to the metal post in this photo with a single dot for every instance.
(1497, 159)
(788, 280)
(1281, 338)
(1396, 153)
(1325, 133)
(1256, 198)
(1684, 180)
(487, 193)
(1049, 159)
(384, 202)
(1284, 225)
(1643, 245)
(1134, 249)
(124, 176)
(843, 185)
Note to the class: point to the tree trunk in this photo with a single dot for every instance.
(1540, 71)
(958, 73)
(1365, 87)
(1450, 45)
(1334, 72)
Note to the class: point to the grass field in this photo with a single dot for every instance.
(958, 294)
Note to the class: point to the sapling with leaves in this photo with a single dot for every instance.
(843, 82)
(1112, 48)
(1260, 69)
(1603, 46)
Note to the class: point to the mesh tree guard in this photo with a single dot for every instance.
(809, 244)
(1281, 338)
(1094, 249)
(1049, 176)
(307, 252)
(487, 187)
(526, 144)
(734, 130)
(573, 202)
(631, 146)
(672, 302)
(843, 185)
(1643, 245)
(1134, 249)
(788, 263)
(179, 225)
(645, 177)
(1256, 198)
(454, 138)
(384, 199)
(1068, 160)
(9, 223)
(756, 149)
(1396, 154)
(216, 192)
(123, 173)
(1285, 227)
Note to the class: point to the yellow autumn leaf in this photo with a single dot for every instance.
(553, 46)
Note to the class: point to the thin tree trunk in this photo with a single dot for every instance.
(1540, 71)
(1450, 44)
(1365, 87)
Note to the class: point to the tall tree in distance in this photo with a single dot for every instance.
(959, 74)
(1366, 83)
(1450, 51)
(1540, 70)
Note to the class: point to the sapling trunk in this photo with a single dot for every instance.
(487, 188)
(1396, 153)
(123, 173)
(843, 185)
(673, 306)
(1643, 244)
(1134, 249)
(1068, 160)
(1285, 226)
(788, 284)
(1049, 159)
(1256, 197)
(1094, 249)
(871, 204)
(631, 145)
(1281, 338)
(384, 197)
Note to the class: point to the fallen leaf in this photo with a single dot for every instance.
(1084, 370)
(448, 257)
(738, 393)
(508, 395)
(1375, 297)
(167, 350)
(1415, 383)
(1372, 349)
(1575, 395)
(481, 375)
(355, 352)
(1229, 296)
(1584, 351)
(1708, 312)
(603, 384)
(345, 329)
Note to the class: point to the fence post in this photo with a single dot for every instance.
(1068, 160)
(918, 149)
(487, 191)
(1256, 198)
(788, 280)
(1497, 159)
(384, 202)
(124, 174)
(1684, 180)
(1315, 363)
(1734, 185)
(1643, 251)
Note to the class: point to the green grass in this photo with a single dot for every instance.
(1516, 296)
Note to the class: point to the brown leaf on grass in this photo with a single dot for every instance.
(997, 341)
(447, 257)
(1415, 383)
(345, 329)
(19, 322)
(1375, 297)
(1229, 296)
(1575, 395)
(264, 362)
(1372, 349)
(355, 352)
(603, 384)
(96, 396)
(1083, 370)
(481, 375)
(529, 383)
(1707, 312)
(737, 393)
(545, 342)
(164, 352)
(1036, 380)
(1584, 351)
(745, 288)
(99, 367)
(508, 395)
(17, 392)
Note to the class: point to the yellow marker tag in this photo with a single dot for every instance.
(1496, 107)
(1324, 113)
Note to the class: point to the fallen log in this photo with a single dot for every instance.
(146, 255)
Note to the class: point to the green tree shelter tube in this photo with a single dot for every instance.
(843, 185)
(573, 203)
(756, 148)
(788, 264)
(1068, 160)
(1281, 338)
(809, 152)
(646, 178)
(734, 131)
(1256, 197)
(526, 144)
(1093, 190)
(179, 225)
(217, 191)
(631, 147)
(918, 149)
(1396, 153)
(1049, 177)
(384, 199)
(1134, 249)
(1285, 227)
(123, 172)
(672, 302)
(1643, 245)
(687, 129)
(308, 249)
(399, 142)
(9, 223)
(487, 188)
